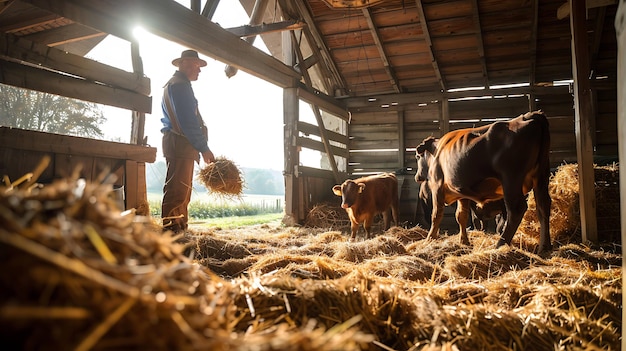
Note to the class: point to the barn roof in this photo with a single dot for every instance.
(354, 49)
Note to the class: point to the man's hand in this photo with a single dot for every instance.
(208, 157)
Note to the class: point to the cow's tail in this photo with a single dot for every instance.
(544, 150)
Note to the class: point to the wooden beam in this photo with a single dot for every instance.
(176, 23)
(597, 39)
(479, 39)
(429, 43)
(309, 129)
(291, 116)
(18, 49)
(620, 30)
(209, 8)
(255, 18)
(317, 43)
(32, 78)
(252, 30)
(63, 144)
(23, 23)
(534, 6)
(323, 101)
(381, 50)
(63, 35)
(318, 115)
(564, 10)
(195, 6)
(583, 121)
(138, 118)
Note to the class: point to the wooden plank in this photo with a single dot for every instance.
(319, 146)
(393, 80)
(62, 144)
(59, 60)
(318, 173)
(583, 117)
(62, 35)
(60, 84)
(249, 30)
(176, 23)
(323, 101)
(308, 128)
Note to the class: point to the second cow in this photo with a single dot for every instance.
(365, 197)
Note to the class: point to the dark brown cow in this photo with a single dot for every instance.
(365, 197)
(500, 160)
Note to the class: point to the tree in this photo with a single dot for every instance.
(32, 110)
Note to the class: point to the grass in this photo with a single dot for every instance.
(236, 221)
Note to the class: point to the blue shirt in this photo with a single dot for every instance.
(185, 107)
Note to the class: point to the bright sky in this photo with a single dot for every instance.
(243, 113)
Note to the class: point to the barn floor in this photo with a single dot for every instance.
(77, 274)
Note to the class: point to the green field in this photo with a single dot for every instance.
(206, 211)
(237, 221)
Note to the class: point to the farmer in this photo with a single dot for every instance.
(184, 140)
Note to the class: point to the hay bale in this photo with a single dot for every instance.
(326, 215)
(565, 212)
(222, 177)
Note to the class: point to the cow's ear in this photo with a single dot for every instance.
(361, 187)
(337, 190)
(420, 149)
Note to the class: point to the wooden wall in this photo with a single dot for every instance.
(22, 150)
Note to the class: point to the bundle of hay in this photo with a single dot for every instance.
(565, 212)
(327, 216)
(222, 177)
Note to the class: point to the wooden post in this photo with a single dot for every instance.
(291, 111)
(401, 139)
(138, 118)
(583, 120)
(444, 118)
(620, 30)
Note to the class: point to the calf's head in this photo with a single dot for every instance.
(349, 192)
(423, 153)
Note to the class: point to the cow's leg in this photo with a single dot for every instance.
(386, 219)
(354, 226)
(462, 213)
(544, 203)
(515, 208)
(437, 214)
(394, 212)
(367, 225)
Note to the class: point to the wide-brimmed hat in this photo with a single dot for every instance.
(189, 54)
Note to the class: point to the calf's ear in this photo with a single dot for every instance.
(337, 190)
(361, 187)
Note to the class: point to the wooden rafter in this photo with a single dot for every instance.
(429, 43)
(255, 18)
(176, 23)
(63, 35)
(381, 50)
(533, 43)
(597, 38)
(250, 30)
(479, 39)
(316, 112)
(317, 42)
(209, 8)
(31, 22)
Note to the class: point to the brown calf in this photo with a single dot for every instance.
(365, 197)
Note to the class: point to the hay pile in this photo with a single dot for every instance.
(327, 216)
(222, 177)
(565, 212)
(78, 274)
